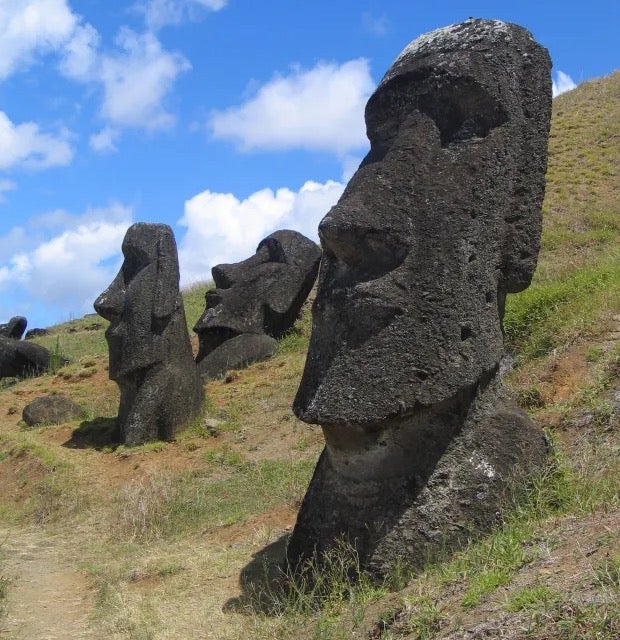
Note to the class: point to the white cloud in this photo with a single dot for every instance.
(103, 142)
(69, 269)
(80, 59)
(6, 185)
(30, 26)
(562, 83)
(137, 78)
(319, 109)
(26, 145)
(375, 25)
(222, 228)
(159, 13)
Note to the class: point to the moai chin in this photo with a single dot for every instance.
(150, 352)
(441, 220)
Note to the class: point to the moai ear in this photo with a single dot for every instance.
(523, 222)
(167, 276)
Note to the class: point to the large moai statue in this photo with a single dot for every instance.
(441, 220)
(150, 352)
(255, 301)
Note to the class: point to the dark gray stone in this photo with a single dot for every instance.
(261, 295)
(14, 328)
(53, 409)
(20, 359)
(34, 333)
(440, 222)
(150, 352)
(237, 353)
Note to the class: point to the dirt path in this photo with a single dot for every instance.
(48, 598)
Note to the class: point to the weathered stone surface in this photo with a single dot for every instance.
(150, 352)
(14, 328)
(237, 353)
(440, 222)
(261, 295)
(52, 409)
(20, 359)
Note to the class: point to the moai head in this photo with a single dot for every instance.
(440, 221)
(150, 352)
(262, 294)
(141, 300)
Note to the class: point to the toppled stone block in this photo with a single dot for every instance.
(20, 359)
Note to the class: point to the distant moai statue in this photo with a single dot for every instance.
(150, 352)
(255, 301)
(441, 220)
(14, 328)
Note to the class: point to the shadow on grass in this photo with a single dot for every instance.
(94, 434)
(263, 581)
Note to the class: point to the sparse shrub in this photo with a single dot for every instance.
(531, 397)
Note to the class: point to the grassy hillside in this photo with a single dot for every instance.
(179, 540)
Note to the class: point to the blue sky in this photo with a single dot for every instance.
(226, 119)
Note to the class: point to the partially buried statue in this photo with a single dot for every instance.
(440, 222)
(255, 302)
(150, 352)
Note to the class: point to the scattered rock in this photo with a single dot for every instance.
(52, 409)
(150, 352)
(35, 333)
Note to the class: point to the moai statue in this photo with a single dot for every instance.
(441, 220)
(150, 352)
(255, 302)
(14, 328)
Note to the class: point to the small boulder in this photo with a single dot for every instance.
(53, 409)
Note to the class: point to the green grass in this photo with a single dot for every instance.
(194, 302)
(532, 599)
(551, 314)
(166, 505)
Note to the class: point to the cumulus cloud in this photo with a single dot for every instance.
(103, 142)
(159, 13)
(222, 228)
(319, 109)
(562, 83)
(375, 25)
(26, 145)
(80, 54)
(31, 26)
(137, 78)
(71, 267)
(6, 185)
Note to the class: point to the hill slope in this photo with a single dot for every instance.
(150, 542)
